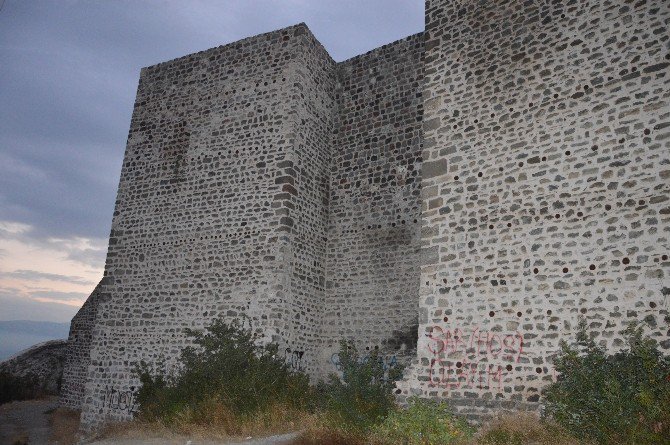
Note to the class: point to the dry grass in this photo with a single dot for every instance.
(218, 424)
(321, 431)
(509, 429)
(523, 429)
(20, 439)
(64, 426)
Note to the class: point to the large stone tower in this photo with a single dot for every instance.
(457, 199)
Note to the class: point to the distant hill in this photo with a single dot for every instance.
(17, 335)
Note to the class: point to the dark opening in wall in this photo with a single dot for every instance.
(408, 337)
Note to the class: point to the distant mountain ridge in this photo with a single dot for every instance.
(17, 335)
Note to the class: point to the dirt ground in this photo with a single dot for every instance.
(284, 439)
(27, 423)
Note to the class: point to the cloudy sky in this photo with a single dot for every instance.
(68, 74)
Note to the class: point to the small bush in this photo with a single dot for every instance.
(424, 422)
(363, 397)
(523, 429)
(13, 387)
(620, 398)
(226, 379)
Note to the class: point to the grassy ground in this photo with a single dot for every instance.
(33, 422)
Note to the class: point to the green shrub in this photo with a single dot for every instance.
(226, 374)
(620, 398)
(423, 422)
(364, 394)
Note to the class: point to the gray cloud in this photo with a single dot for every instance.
(16, 307)
(34, 275)
(69, 85)
(56, 295)
(90, 252)
(90, 257)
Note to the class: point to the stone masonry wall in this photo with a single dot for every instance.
(198, 231)
(372, 269)
(239, 169)
(78, 353)
(546, 182)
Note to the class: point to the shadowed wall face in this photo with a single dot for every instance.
(372, 272)
(545, 189)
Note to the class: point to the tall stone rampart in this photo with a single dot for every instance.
(206, 212)
(546, 182)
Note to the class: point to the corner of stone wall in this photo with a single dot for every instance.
(78, 352)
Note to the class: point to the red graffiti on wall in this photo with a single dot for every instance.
(446, 374)
(471, 361)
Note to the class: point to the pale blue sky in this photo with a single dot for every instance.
(68, 75)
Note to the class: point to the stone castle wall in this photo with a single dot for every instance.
(491, 180)
(78, 353)
(234, 157)
(199, 230)
(372, 269)
(546, 182)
